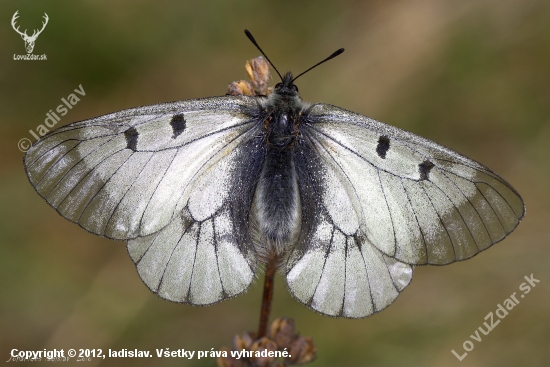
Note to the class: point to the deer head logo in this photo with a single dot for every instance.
(29, 40)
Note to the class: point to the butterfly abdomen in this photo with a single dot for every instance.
(277, 199)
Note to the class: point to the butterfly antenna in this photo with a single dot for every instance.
(336, 53)
(251, 38)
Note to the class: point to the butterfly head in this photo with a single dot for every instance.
(286, 86)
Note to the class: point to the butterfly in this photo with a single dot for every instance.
(204, 191)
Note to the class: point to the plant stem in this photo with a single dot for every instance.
(270, 269)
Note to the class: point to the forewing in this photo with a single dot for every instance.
(205, 254)
(415, 200)
(130, 173)
(334, 268)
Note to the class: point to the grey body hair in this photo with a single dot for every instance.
(276, 210)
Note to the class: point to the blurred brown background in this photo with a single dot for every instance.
(473, 75)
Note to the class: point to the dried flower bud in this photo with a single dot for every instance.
(282, 331)
(302, 351)
(240, 88)
(258, 72)
(243, 341)
(280, 348)
(264, 346)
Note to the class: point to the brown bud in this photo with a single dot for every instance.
(243, 341)
(258, 72)
(282, 331)
(302, 350)
(240, 88)
(263, 346)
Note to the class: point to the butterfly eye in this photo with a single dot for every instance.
(279, 85)
(294, 88)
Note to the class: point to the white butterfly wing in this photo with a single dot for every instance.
(387, 194)
(205, 254)
(166, 178)
(333, 268)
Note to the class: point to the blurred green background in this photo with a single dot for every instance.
(473, 75)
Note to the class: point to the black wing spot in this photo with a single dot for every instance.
(131, 138)
(383, 146)
(424, 168)
(178, 125)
